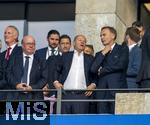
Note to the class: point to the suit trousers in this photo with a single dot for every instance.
(75, 107)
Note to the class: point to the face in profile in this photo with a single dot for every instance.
(10, 36)
(107, 37)
(28, 45)
(64, 45)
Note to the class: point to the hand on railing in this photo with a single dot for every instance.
(58, 85)
(92, 86)
(24, 87)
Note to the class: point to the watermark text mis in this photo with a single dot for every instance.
(27, 110)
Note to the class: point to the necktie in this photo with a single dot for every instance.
(8, 53)
(25, 70)
(52, 52)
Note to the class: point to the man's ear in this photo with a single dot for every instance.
(113, 36)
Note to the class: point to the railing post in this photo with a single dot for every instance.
(59, 95)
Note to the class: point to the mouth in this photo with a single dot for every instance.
(82, 45)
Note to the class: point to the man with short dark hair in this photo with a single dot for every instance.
(64, 43)
(132, 37)
(140, 27)
(110, 64)
(89, 49)
(53, 37)
(50, 55)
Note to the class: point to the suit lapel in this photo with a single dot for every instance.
(45, 52)
(69, 61)
(34, 66)
(85, 65)
(19, 64)
(115, 49)
(14, 51)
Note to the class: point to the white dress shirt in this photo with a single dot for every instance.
(76, 77)
(30, 65)
(49, 52)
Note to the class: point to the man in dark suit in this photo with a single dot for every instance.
(52, 61)
(139, 25)
(132, 38)
(26, 72)
(49, 55)
(11, 34)
(143, 78)
(110, 64)
(53, 37)
(73, 72)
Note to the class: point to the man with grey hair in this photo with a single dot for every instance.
(11, 35)
(73, 73)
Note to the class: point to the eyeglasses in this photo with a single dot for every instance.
(29, 44)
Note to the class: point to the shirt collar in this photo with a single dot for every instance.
(113, 46)
(77, 53)
(12, 46)
(31, 56)
(131, 46)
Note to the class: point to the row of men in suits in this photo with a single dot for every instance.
(12, 57)
(71, 70)
(77, 70)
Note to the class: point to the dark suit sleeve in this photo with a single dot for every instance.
(148, 41)
(134, 63)
(2, 74)
(1, 68)
(97, 62)
(10, 76)
(119, 65)
(58, 72)
(92, 76)
(42, 81)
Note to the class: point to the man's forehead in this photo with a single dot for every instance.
(11, 29)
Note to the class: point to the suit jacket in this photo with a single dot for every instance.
(135, 56)
(38, 77)
(3, 66)
(64, 66)
(51, 64)
(144, 72)
(41, 53)
(111, 67)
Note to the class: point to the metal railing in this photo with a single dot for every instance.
(60, 92)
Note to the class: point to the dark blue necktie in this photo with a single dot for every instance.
(25, 70)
